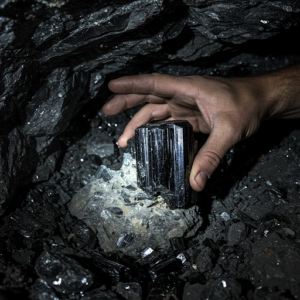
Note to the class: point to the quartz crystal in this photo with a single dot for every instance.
(164, 154)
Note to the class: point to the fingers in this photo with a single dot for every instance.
(147, 114)
(155, 84)
(122, 102)
(209, 157)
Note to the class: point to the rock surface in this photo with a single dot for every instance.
(63, 273)
(55, 56)
(127, 219)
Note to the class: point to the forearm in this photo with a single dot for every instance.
(281, 92)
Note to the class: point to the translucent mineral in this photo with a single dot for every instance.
(182, 257)
(164, 154)
(125, 217)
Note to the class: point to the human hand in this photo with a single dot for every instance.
(227, 109)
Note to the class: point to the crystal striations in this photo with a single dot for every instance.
(164, 154)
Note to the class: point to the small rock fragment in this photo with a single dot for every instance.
(256, 212)
(225, 216)
(217, 271)
(84, 236)
(130, 291)
(63, 273)
(192, 292)
(102, 150)
(204, 260)
(182, 257)
(287, 233)
(146, 252)
(237, 232)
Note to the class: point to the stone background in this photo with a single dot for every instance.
(57, 56)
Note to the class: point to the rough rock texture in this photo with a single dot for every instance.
(127, 219)
(54, 61)
(63, 273)
(57, 55)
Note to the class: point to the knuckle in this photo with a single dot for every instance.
(211, 158)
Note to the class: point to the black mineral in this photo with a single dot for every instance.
(163, 266)
(164, 154)
(63, 273)
(111, 272)
(125, 239)
(177, 243)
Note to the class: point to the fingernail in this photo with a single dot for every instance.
(201, 179)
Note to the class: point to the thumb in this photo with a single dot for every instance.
(209, 157)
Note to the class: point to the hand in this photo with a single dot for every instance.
(227, 109)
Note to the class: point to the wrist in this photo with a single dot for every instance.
(281, 93)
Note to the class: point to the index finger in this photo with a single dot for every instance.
(161, 85)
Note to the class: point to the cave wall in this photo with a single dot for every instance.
(56, 56)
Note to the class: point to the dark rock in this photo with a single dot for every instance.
(110, 271)
(287, 233)
(192, 292)
(256, 212)
(130, 290)
(42, 291)
(63, 273)
(236, 233)
(274, 262)
(105, 173)
(159, 294)
(131, 147)
(177, 243)
(222, 288)
(217, 271)
(171, 285)
(204, 260)
(84, 236)
(163, 266)
(158, 168)
(100, 294)
(62, 58)
(23, 257)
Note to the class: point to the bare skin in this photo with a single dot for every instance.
(228, 109)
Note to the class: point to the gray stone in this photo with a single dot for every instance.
(236, 233)
(192, 292)
(118, 212)
(204, 260)
(217, 271)
(275, 262)
(287, 233)
(130, 291)
(256, 212)
(102, 150)
(225, 216)
(63, 273)
(222, 288)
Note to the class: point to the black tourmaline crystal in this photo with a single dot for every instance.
(164, 155)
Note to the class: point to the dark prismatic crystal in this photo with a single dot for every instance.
(164, 155)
